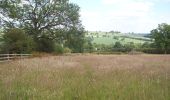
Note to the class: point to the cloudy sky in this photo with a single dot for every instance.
(138, 16)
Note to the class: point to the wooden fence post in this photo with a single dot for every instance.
(8, 57)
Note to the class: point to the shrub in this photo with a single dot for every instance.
(67, 50)
(154, 51)
(16, 41)
(118, 45)
(129, 47)
(59, 49)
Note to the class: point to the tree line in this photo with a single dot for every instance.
(160, 43)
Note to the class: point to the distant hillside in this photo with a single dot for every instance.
(108, 38)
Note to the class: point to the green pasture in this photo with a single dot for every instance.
(111, 38)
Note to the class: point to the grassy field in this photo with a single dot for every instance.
(111, 38)
(87, 77)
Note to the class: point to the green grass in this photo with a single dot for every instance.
(123, 38)
(110, 40)
(81, 83)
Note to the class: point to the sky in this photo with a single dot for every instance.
(139, 16)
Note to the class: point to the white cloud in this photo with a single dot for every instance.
(91, 20)
(124, 16)
(129, 5)
(121, 15)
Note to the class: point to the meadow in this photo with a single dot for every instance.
(87, 77)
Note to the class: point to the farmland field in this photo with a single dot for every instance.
(111, 38)
(87, 77)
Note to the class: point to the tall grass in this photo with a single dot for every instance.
(125, 77)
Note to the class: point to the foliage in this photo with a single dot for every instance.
(161, 35)
(59, 49)
(16, 41)
(118, 45)
(130, 46)
(39, 15)
(88, 46)
(58, 19)
(146, 45)
(1, 41)
(75, 40)
(45, 44)
(67, 50)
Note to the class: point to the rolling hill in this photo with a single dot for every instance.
(109, 38)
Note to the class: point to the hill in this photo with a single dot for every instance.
(109, 38)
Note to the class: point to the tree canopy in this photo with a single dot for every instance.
(39, 15)
(161, 36)
(49, 19)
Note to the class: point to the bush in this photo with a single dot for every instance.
(59, 49)
(16, 41)
(129, 47)
(154, 51)
(67, 50)
(118, 45)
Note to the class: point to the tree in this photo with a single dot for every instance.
(161, 37)
(16, 41)
(1, 41)
(129, 46)
(45, 44)
(37, 17)
(75, 39)
(146, 45)
(118, 45)
(88, 45)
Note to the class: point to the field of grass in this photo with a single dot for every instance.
(87, 77)
(111, 38)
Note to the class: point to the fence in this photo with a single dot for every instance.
(9, 57)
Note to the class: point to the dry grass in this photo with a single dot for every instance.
(87, 77)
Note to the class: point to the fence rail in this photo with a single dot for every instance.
(9, 57)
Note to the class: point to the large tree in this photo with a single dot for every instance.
(161, 35)
(39, 17)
